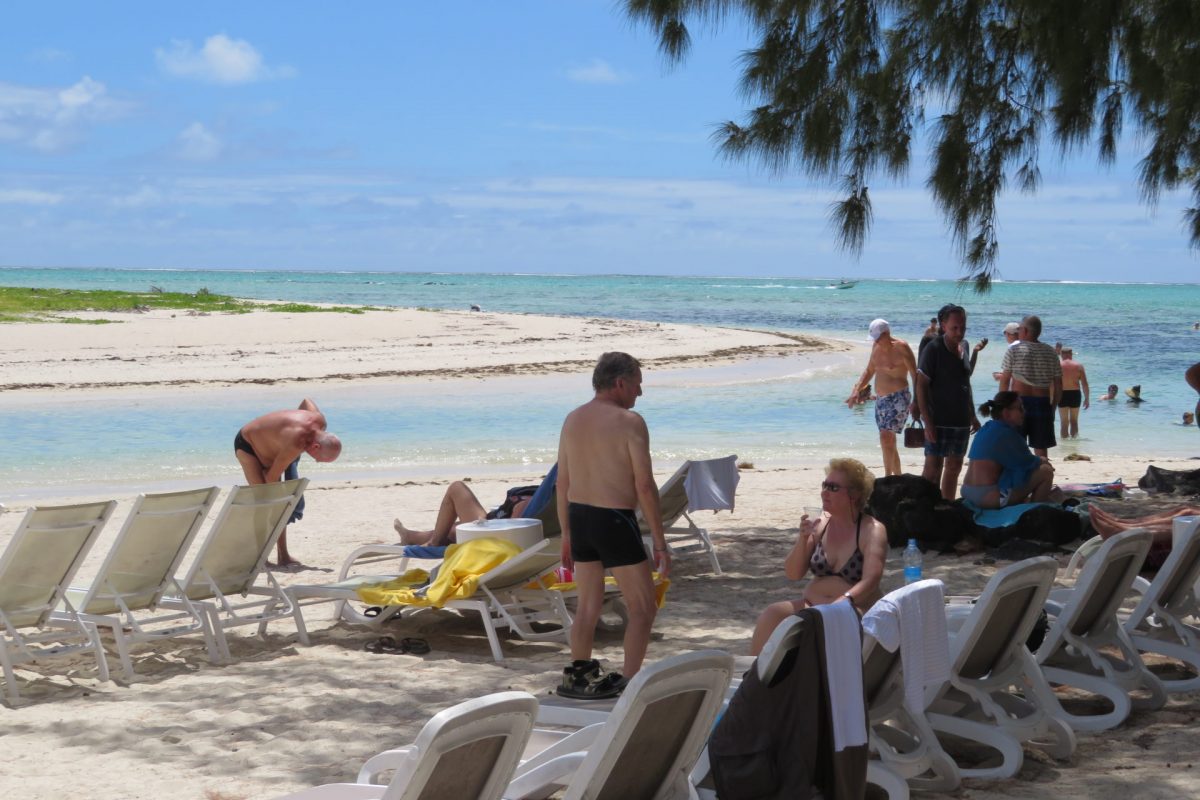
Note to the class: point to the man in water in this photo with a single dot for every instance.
(1111, 394)
(892, 363)
(946, 404)
(1192, 376)
(604, 473)
(1075, 390)
(269, 449)
(1031, 369)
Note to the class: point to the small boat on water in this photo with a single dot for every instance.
(844, 284)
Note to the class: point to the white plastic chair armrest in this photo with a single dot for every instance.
(386, 761)
(1086, 549)
(573, 742)
(1140, 585)
(556, 772)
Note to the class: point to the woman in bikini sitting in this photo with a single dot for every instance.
(844, 549)
(1003, 471)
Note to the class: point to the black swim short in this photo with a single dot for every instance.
(1039, 422)
(608, 535)
(240, 443)
(1071, 398)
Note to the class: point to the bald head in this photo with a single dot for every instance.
(326, 447)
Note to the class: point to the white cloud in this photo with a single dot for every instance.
(51, 120)
(220, 60)
(596, 71)
(29, 197)
(198, 143)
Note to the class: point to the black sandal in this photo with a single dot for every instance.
(585, 682)
(406, 646)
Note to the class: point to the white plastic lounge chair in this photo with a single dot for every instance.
(996, 695)
(224, 580)
(898, 732)
(1086, 646)
(646, 747)
(466, 751)
(140, 569)
(501, 599)
(35, 570)
(689, 539)
(1158, 622)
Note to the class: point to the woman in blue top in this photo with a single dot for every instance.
(1003, 471)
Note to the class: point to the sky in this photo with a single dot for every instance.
(532, 136)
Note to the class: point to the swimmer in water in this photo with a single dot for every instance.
(1111, 394)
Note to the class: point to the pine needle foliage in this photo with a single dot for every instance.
(837, 88)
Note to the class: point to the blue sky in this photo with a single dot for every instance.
(524, 136)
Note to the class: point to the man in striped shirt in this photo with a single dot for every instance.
(1032, 369)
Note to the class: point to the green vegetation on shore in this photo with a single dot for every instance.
(19, 304)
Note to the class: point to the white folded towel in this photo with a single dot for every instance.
(913, 618)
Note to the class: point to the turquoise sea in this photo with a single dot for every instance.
(771, 412)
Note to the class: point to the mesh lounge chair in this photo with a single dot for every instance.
(467, 751)
(1087, 647)
(674, 504)
(35, 570)
(140, 569)
(645, 748)
(996, 695)
(225, 578)
(499, 598)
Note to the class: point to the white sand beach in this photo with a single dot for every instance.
(282, 716)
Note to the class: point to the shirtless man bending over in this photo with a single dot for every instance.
(270, 446)
(604, 473)
(892, 363)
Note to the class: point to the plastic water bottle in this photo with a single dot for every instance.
(912, 562)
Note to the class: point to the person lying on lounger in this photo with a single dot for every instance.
(843, 536)
(1003, 471)
(1158, 523)
(460, 505)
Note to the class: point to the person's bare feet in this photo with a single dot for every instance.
(407, 536)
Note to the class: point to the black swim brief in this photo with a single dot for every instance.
(240, 443)
(1071, 398)
(608, 535)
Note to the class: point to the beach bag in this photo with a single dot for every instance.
(914, 435)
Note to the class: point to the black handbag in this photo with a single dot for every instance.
(914, 435)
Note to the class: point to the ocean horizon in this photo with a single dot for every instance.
(777, 411)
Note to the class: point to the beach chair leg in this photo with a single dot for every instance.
(1011, 754)
(10, 676)
(212, 618)
(1119, 698)
(122, 643)
(880, 775)
(98, 648)
(301, 628)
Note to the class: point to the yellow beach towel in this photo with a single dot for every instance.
(457, 578)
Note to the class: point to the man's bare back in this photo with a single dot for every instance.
(278, 439)
(1072, 370)
(597, 439)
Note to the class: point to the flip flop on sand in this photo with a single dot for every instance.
(388, 645)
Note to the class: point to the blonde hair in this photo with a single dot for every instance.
(860, 481)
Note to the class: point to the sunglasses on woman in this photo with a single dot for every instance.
(827, 486)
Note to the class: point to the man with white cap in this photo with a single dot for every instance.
(892, 363)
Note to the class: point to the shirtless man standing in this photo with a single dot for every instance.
(1192, 376)
(892, 363)
(269, 447)
(1075, 390)
(604, 473)
(1031, 369)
